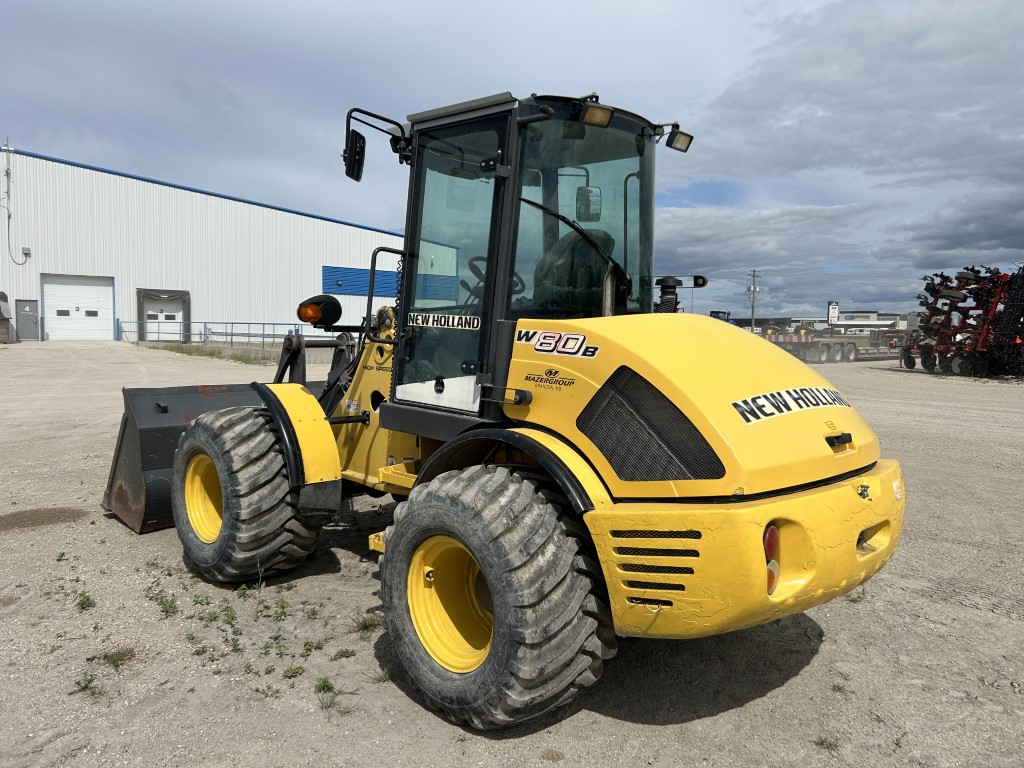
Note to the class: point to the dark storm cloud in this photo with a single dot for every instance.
(980, 228)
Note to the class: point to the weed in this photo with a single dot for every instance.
(383, 676)
(202, 599)
(856, 597)
(236, 646)
(312, 613)
(167, 605)
(293, 671)
(268, 691)
(119, 658)
(62, 556)
(242, 591)
(207, 617)
(153, 563)
(325, 693)
(191, 637)
(311, 645)
(249, 669)
(344, 653)
(85, 682)
(228, 615)
(364, 623)
(200, 650)
(269, 669)
(286, 587)
(838, 687)
(827, 743)
(84, 601)
(281, 609)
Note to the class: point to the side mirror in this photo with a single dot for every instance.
(588, 204)
(355, 154)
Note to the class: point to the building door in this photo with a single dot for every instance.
(445, 312)
(163, 318)
(78, 307)
(26, 318)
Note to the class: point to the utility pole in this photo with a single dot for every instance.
(752, 289)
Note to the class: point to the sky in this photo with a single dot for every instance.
(843, 149)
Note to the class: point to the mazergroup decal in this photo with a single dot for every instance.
(785, 401)
(457, 322)
(550, 379)
(554, 343)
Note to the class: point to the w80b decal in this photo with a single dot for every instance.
(554, 343)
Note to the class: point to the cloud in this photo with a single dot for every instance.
(982, 227)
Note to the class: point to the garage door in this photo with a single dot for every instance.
(78, 307)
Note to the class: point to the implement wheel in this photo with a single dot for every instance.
(908, 360)
(928, 361)
(233, 508)
(492, 599)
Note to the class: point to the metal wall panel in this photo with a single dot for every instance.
(240, 261)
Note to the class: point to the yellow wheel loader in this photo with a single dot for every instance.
(578, 460)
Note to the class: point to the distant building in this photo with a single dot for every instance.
(94, 252)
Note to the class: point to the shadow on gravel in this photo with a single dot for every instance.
(669, 682)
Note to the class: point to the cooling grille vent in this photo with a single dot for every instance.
(640, 574)
(643, 435)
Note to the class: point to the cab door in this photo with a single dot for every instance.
(452, 248)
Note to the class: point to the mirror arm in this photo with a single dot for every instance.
(546, 113)
(402, 148)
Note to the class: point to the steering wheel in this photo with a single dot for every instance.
(474, 264)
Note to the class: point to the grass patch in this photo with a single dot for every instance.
(365, 623)
(827, 743)
(293, 671)
(119, 658)
(248, 359)
(84, 601)
(191, 349)
(382, 676)
(344, 653)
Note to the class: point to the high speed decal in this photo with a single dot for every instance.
(785, 401)
(554, 343)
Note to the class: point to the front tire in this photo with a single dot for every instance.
(233, 508)
(492, 599)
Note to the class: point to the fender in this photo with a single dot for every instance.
(574, 476)
(308, 444)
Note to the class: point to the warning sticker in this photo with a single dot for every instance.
(783, 401)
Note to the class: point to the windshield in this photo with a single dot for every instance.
(598, 179)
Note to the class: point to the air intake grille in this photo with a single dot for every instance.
(643, 435)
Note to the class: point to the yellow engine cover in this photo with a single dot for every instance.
(772, 422)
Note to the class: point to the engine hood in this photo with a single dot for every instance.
(669, 406)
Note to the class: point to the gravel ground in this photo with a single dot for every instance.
(115, 655)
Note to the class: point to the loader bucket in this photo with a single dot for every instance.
(139, 487)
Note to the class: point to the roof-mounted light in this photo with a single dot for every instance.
(678, 140)
(597, 114)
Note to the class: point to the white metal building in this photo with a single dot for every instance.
(88, 253)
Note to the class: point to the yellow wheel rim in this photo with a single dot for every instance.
(203, 498)
(450, 604)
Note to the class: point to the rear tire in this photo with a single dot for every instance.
(823, 353)
(233, 509)
(835, 353)
(492, 599)
(850, 353)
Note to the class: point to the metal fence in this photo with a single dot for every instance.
(226, 333)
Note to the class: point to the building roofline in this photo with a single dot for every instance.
(184, 188)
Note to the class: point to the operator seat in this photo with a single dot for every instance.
(569, 278)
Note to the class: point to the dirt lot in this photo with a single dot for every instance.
(113, 654)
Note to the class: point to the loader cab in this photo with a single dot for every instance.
(538, 208)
